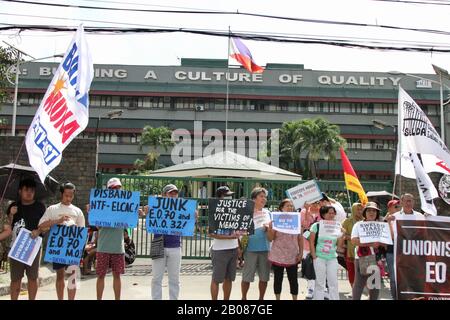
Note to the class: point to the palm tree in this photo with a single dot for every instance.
(316, 137)
(153, 137)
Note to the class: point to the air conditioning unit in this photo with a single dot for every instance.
(199, 107)
(379, 146)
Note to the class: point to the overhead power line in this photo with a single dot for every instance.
(214, 12)
(368, 44)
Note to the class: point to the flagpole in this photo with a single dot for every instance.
(228, 90)
(399, 137)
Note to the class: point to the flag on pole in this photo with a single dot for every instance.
(243, 55)
(64, 111)
(417, 134)
(429, 162)
(427, 190)
(351, 179)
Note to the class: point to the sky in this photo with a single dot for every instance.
(168, 48)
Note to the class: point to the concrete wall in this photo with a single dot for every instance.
(78, 165)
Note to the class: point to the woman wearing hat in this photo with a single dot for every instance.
(363, 252)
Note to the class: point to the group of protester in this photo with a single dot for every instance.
(265, 250)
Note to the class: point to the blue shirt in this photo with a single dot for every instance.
(171, 241)
(258, 241)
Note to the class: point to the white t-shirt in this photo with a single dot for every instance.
(56, 211)
(355, 234)
(401, 212)
(341, 215)
(225, 244)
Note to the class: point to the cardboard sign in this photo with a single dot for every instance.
(25, 249)
(422, 257)
(260, 219)
(374, 231)
(113, 208)
(171, 216)
(286, 222)
(305, 192)
(329, 229)
(227, 216)
(65, 244)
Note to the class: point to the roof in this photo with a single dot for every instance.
(227, 164)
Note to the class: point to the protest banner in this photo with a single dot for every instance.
(113, 208)
(24, 249)
(330, 229)
(305, 192)
(65, 244)
(374, 231)
(422, 257)
(171, 216)
(286, 222)
(227, 216)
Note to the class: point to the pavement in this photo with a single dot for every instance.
(195, 279)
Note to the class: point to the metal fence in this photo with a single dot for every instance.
(201, 189)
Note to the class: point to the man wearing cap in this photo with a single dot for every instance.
(171, 259)
(224, 255)
(110, 252)
(407, 207)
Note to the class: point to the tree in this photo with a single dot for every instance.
(317, 138)
(153, 137)
(7, 58)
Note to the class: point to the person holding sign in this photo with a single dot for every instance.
(25, 214)
(110, 252)
(256, 254)
(323, 251)
(171, 259)
(286, 252)
(224, 255)
(63, 213)
(366, 252)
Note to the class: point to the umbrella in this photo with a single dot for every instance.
(18, 174)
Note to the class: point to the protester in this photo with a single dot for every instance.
(407, 207)
(224, 255)
(110, 253)
(393, 206)
(310, 215)
(5, 233)
(26, 213)
(63, 213)
(130, 249)
(371, 212)
(90, 250)
(341, 215)
(286, 252)
(324, 254)
(171, 259)
(357, 209)
(256, 253)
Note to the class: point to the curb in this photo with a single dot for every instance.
(48, 278)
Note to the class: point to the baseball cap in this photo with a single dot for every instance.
(393, 203)
(169, 188)
(113, 182)
(223, 191)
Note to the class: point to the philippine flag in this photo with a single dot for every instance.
(243, 56)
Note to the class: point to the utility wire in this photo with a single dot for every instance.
(370, 44)
(344, 23)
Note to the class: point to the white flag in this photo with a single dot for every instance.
(430, 164)
(416, 133)
(64, 111)
(427, 191)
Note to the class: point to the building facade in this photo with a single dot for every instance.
(191, 98)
